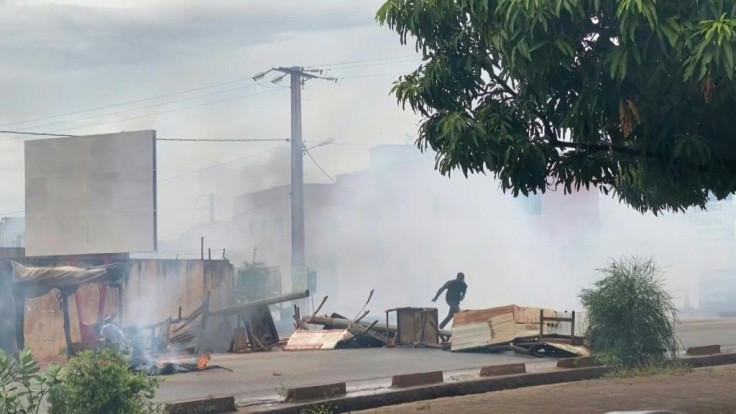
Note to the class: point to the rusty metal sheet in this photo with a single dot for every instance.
(302, 340)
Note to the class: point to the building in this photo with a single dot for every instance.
(12, 232)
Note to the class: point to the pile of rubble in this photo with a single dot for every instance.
(522, 329)
(416, 327)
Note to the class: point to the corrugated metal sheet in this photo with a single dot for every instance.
(313, 340)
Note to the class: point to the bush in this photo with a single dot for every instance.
(632, 317)
(22, 387)
(101, 382)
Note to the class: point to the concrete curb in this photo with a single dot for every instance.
(316, 392)
(703, 350)
(393, 397)
(413, 380)
(476, 386)
(497, 370)
(206, 405)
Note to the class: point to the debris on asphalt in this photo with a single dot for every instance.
(529, 330)
(303, 340)
(417, 327)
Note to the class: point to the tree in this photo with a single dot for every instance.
(634, 97)
(631, 315)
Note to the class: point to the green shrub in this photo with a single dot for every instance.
(22, 386)
(632, 317)
(101, 382)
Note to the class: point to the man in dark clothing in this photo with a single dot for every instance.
(455, 294)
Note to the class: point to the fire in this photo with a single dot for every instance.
(202, 361)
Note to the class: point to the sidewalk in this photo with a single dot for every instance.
(705, 390)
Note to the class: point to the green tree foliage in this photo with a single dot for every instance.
(631, 96)
(101, 382)
(252, 282)
(632, 318)
(22, 385)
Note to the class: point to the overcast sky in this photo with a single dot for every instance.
(70, 57)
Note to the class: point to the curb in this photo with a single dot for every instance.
(703, 350)
(413, 380)
(206, 405)
(475, 386)
(497, 370)
(394, 397)
(316, 392)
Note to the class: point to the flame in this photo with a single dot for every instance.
(202, 361)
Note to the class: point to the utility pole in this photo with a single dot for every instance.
(211, 204)
(298, 76)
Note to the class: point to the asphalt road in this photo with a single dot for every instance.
(257, 376)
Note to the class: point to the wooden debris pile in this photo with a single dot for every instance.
(339, 331)
(522, 329)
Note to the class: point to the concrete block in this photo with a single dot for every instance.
(214, 405)
(579, 362)
(412, 380)
(496, 370)
(315, 392)
(703, 350)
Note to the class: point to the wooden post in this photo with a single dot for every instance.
(205, 312)
(67, 327)
(201, 248)
(120, 303)
(20, 319)
(541, 325)
(388, 335)
(572, 329)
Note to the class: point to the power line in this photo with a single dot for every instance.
(320, 167)
(224, 139)
(36, 133)
(363, 61)
(163, 112)
(140, 108)
(128, 102)
(221, 164)
(12, 212)
(231, 217)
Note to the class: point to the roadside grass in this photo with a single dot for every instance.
(649, 369)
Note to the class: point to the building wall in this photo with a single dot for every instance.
(154, 291)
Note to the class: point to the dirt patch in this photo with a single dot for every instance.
(706, 390)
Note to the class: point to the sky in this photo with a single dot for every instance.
(87, 67)
(185, 69)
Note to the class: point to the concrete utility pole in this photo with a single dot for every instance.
(298, 76)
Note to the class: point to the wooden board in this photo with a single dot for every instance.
(500, 329)
(315, 340)
(522, 314)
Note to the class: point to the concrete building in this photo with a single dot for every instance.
(12, 232)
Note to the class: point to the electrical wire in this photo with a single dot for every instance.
(362, 61)
(12, 212)
(232, 216)
(127, 102)
(36, 133)
(224, 139)
(320, 167)
(209, 167)
(140, 108)
(162, 112)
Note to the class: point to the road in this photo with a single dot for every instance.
(257, 376)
